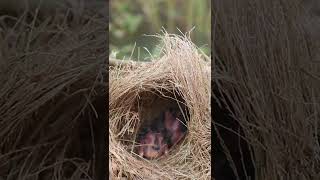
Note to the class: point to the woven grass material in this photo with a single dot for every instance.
(181, 72)
(52, 74)
(267, 65)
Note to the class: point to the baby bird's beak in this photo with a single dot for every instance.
(141, 152)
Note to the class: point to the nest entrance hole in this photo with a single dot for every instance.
(151, 107)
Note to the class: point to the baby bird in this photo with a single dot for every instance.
(153, 145)
(174, 127)
(165, 131)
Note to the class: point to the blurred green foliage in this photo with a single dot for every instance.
(130, 20)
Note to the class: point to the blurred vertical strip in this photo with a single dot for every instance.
(53, 89)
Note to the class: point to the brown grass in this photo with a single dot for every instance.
(181, 72)
(52, 73)
(267, 63)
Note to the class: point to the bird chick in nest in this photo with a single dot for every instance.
(174, 126)
(164, 132)
(153, 144)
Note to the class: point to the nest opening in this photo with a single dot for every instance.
(150, 107)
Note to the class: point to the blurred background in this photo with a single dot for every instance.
(131, 20)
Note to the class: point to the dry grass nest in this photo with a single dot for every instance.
(181, 76)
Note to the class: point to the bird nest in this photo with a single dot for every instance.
(140, 91)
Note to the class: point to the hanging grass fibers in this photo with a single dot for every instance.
(267, 66)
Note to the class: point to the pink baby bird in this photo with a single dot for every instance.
(174, 127)
(153, 145)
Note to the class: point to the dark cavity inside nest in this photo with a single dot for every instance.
(151, 108)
